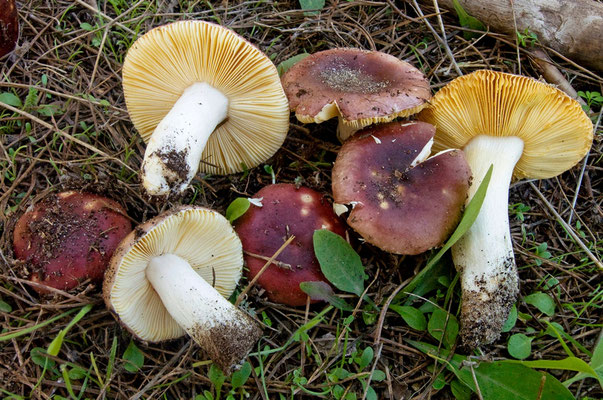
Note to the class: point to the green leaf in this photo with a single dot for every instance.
(5, 307)
(412, 316)
(240, 377)
(467, 20)
(55, 346)
(312, 5)
(217, 377)
(10, 99)
(437, 323)
(76, 373)
(459, 390)
(38, 356)
(365, 358)
(520, 346)
(288, 63)
(86, 26)
(542, 302)
(339, 263)
(596, 363)
(378, 376)
(133, 357)
(237, 208)
(511, 319)
(322, 291)
(500, 380)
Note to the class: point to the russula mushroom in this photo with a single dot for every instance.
(69, 237)
(523, 128)
(359, 87)
(9, 26)
(172, 275)
(402, 201)
(202, 97)
(286, 210)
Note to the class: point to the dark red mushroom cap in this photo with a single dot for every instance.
(69, 237)
(401, 203)
(286, 210)
(366, 86)
(9, 26)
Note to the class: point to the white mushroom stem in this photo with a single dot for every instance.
(174, 151)
(484, 255)
(222, 330)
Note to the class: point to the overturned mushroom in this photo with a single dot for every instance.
(359, 87)
(199, 93)
(172, 275)
(286, 210)
(68, 238)
(402, 201)
(523, 128)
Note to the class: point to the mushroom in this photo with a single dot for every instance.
(359, 87)
(203, 98)
(523, 128)
(172, 275)
(402, 201)
(286, 210)
(9, 26)
(69, 237)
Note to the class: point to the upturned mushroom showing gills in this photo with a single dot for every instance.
(9, 26)
(203, 98)
(359, 87)
(400, 200)
(523, 128)
(286, 210)
(172, 275)
(68, 238)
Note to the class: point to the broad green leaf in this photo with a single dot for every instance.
(311, 7)
(237, 208)
(5, 307)
(217, 377)
(133, 357)
(240, 377)
(365, 358)
(500, 380)
(38, 356)
(412, 316)
(55, 346)
(520, 346)
(459, 390)
(322, 291)
(542, 302)
(86, 26)
(378, 376)
(10, 99)
(288, 63)
(339, 263)
(596, 363)
(511, 319)
(437, 323)
(467, 20)
(76, 373)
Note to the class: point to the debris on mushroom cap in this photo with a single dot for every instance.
(286, 211)
(9, 26)
(167, 60)
(363, 87)
(172, 275)
(404, 203)
(69, 237)
(555, 130)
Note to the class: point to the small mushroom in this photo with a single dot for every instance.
(359, 87)
(172, 275)
(9, 26)
(524, 128)
(402, 201)
(286, 210)
(203, 98)
(69, 237)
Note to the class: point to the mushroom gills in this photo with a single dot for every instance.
(176, 146)
(222, 330)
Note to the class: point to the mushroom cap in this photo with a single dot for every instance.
(200, 236)
(69, 237)
(286, 210)
(401, 203)
(364, 87)
(555, 130)
(9, 26)
(161, 64)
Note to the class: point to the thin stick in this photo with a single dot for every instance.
(255, 278)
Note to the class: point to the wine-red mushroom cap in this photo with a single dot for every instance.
(362, 87)
(9, 26)
(69, 237)
(401, 202)
(286, 210)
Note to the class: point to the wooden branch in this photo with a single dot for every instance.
(573, 28)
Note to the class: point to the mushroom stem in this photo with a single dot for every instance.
(484, 255)
(174, 151)
(226, 333)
